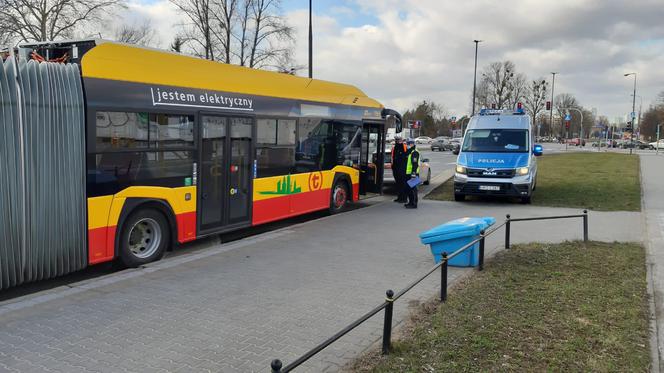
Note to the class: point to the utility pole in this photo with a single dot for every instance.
(477, 42)
(311, 44)
(553, 86)
(633, 113)
(657, 143)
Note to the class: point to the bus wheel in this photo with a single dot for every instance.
(339, 197)
(144, 239)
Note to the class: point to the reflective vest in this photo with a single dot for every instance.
(409, 162)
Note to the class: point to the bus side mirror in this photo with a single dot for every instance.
(393, 121)
(538, 150)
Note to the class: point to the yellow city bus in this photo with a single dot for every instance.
(177, 148)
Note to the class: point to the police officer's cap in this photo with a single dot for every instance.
(410, 141)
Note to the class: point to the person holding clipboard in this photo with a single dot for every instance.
(412, 171)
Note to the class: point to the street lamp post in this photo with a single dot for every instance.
(311, 44)
(632, 114)
(477, 42)
(553, 86)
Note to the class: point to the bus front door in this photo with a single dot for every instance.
(371, 158)
(225, 173)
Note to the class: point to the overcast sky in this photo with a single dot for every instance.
(403, 51)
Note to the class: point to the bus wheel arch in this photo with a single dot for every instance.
(341, 193)
(150, 212)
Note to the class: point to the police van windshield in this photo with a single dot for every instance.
(496, 141)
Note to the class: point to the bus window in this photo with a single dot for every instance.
(119, 130)
(312, 134)
(275, 146)
(169, 131)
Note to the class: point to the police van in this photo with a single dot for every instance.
(497, 156)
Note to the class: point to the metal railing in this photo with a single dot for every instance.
(391, 297)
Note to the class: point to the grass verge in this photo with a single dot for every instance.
(537, 307)
(596, 181)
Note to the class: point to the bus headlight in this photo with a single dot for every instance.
(460, 170)
(522, 171)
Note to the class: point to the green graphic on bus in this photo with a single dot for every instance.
(284, 187)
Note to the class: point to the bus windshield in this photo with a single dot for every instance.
(496, 141)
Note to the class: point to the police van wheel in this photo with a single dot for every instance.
(526, 200)
(144, 238)
(459, 197)
(339, 197)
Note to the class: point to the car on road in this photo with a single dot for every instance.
(441, 143)
(425, 170)
(423, 140)
(654, 144)
(498, 157)
(637, 144)
(576, 142)
(456, 145)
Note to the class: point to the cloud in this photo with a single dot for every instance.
(404, 51)
(423, 49)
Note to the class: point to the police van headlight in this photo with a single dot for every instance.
(460, 169)
(522, 171)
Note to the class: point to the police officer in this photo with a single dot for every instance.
(399, 168)
(412, 171)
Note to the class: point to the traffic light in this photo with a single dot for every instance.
(548, 105)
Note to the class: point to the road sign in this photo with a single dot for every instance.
(568, 117)
(633, 114)
(414, 124)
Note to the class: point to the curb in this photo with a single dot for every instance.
(655, 358)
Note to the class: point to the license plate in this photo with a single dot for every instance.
(489, 187)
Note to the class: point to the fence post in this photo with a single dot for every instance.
(585, 226)
(443, 279)
(481, 264)
(507, 232)
(276, 366)
(387, 325)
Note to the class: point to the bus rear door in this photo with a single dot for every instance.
(371, 158)
(225, 172)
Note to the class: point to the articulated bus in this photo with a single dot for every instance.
(149, 149)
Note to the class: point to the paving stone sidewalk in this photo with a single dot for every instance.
(237, 306)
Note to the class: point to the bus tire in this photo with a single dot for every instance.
(145, 237)
(339, 196)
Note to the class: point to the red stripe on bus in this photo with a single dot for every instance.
(268, 210)
(356, 192)
(186, 226)
(98, 247)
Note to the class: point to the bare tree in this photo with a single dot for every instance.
(535, 97)
(272, 37)
(225, 17)
(247, 32)
(563, 101)
(243, 34)
(198, 29)
(138, 33)
(177, 43)
(518, 88)
(42, 20)
(498, 81)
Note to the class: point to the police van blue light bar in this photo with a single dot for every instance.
(518, 111)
